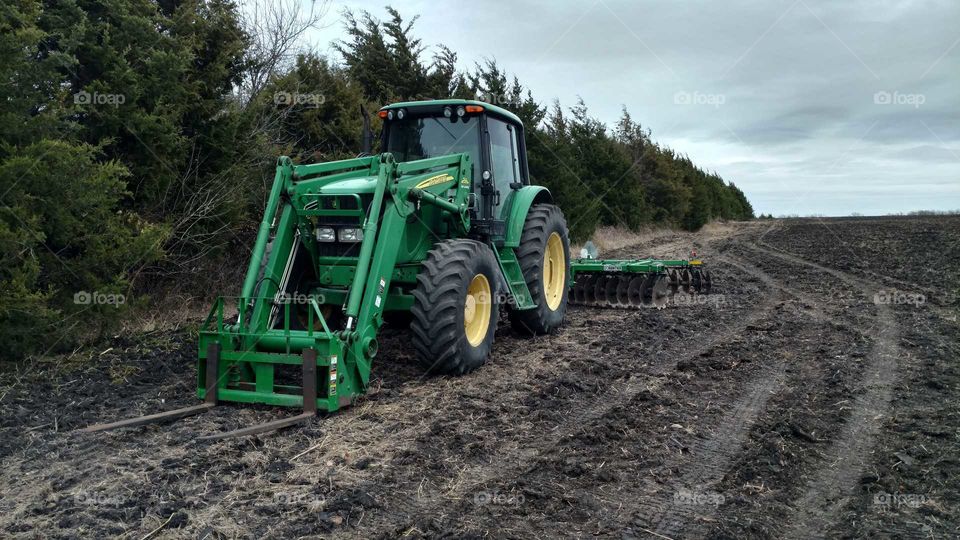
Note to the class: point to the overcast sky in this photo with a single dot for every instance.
(810, 107)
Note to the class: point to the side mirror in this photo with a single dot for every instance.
(366, 138)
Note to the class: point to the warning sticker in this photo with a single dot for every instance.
(376, 301)
(333, 375)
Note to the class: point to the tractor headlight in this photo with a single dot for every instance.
(350, 235)
(461, 111)
(447, 112)
(401, 113)
(326, 234)
(389, 115)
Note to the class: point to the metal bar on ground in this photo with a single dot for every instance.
(152, 418)
(260, 428)
(209, 402)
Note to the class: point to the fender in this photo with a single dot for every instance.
(515, 211)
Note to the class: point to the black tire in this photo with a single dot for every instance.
(542, 221)
(437, 326)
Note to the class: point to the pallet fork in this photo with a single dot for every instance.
(210, 401)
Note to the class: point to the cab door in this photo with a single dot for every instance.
(505, 163)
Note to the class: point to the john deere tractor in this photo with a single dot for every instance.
(437, 232)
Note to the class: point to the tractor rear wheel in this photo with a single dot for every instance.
(455, 309)
(544, 256)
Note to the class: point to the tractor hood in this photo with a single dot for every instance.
(364, 184)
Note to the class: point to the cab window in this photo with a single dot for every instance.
(504, 155)
(429, 136)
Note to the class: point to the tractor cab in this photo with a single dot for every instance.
(492, 136)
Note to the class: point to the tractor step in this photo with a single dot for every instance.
(510, 266)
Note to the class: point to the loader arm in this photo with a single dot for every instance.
(400, 192)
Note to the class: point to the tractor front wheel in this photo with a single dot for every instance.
(454, 313)
(544, 256)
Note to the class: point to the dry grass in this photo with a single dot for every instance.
(609, 239)
(170, 312)
(175, 302)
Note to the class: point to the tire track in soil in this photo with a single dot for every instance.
(830, 486)
(712, 456)
(664, 352)
(709, 459)
(616, 393)
(809, 309)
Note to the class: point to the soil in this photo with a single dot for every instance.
(814, 394)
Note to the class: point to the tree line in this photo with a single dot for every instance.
(138, 138)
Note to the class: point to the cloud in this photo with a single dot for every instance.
(799, 128)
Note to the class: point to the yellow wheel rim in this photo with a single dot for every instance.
(554, 271)
(476, 310)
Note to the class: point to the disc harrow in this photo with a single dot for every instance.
(636, 283)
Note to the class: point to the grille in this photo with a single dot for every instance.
(338, 249)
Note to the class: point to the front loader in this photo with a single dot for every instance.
(437, 232)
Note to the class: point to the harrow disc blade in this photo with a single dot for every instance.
(646, 288)
(610, 291)
(707, 282)
(673, 280)
(599, 297)
(660, 292)
(635, 299)
(696, 281)
(685, 280)
(586, 289)
(576, 294)
(623, 286)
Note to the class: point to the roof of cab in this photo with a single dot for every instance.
(454, 102)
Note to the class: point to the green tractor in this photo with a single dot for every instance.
(438, 232)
